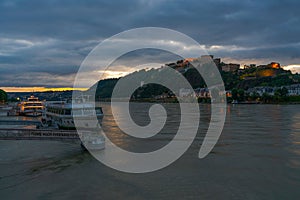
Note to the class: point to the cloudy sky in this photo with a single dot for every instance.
(42, 43)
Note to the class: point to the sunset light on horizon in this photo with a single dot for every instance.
(40, 89)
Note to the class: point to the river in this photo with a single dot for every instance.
(256, 157)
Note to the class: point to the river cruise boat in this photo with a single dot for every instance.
(31, 107)
(62, 114)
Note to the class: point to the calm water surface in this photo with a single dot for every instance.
(257, 157)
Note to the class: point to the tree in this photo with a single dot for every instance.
(284, 92)
(281, 94)
(234, 94)
(241, 95)
(266, 98)
(254, 96)
(3, 96)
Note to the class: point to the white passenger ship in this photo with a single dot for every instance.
(31, 107)
(62, 114)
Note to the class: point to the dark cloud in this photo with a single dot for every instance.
(51, 38)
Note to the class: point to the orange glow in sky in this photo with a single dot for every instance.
(38, 89)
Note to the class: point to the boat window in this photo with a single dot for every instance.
(68, 112)
(33, 99)
(88, 111)
(98, 110)
(77, 112)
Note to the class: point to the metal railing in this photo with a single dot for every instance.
(37, 134)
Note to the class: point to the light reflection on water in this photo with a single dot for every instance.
(257, 157)
(19, 118)
(294, 161)
(4, 117)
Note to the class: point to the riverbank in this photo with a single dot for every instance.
(205, 101)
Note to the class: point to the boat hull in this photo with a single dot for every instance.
(68, 122)
(31, 114)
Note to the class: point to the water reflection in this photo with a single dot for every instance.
(257, 157)
(294, 160)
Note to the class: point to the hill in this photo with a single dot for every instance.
(240, 79)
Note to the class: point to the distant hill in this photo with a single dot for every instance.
(254, 77)
(104, 88)
(242, 79)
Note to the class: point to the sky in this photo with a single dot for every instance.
(43, 43)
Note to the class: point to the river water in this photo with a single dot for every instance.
(256, 157)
